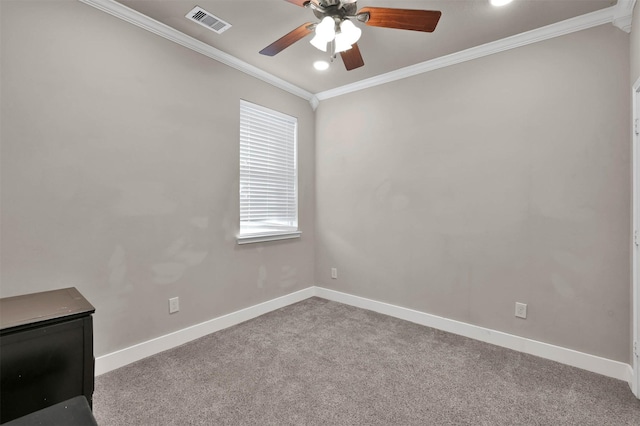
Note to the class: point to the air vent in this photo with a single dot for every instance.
(208, 20)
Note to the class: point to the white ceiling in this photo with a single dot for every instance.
(257, 23)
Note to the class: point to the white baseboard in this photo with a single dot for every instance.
(134, 353)
(596, 364)
(604, 366)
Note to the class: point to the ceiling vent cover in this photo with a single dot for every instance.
(208, 20)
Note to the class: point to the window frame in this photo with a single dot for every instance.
(272, 234)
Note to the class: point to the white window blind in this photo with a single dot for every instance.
(268, 172)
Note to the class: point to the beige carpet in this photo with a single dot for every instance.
(323, 363)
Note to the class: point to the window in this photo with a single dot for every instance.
(268, 175)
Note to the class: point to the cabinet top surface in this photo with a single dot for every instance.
(47, 305)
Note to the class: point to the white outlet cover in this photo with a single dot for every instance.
(174, 305)
(521, 310)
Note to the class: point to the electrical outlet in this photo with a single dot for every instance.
(334, 273)
(521, 310)
(174, 305)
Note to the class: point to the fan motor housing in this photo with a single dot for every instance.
(336, 9)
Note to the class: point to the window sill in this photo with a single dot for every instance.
(260, 238)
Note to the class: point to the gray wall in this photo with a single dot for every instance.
(461, 191)
(120, 174)
(456, 192)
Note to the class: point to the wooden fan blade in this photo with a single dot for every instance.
(403, 19)
(287, 40)
(352, 58)
(298, 2)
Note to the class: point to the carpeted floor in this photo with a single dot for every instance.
(323, 363)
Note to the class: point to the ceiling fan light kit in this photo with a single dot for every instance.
(349, 35)
(319, 43)
(343, 33)
(325, 33)
(337, 33)
(326, 29)
(341, 45)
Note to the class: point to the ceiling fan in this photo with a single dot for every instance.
(336, 33)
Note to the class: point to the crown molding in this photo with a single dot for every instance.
(314, 101)
(623, 14)
(619, 15)
(568, 26)
(138, 19)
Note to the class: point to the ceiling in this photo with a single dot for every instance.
(258, 23)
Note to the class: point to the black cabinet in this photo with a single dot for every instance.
(46, 351)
